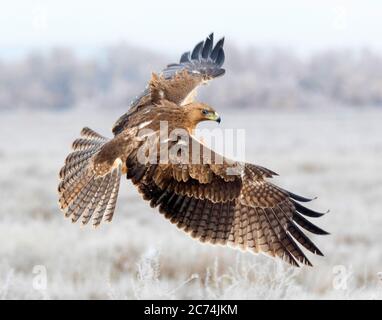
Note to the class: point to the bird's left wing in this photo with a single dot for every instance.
(226, 202)
(178, 81)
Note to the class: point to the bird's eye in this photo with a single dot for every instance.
(205, 112)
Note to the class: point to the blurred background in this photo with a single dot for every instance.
(303, 79)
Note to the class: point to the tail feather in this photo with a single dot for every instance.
(77, 205)
(90, 134)
(84, 144)
(113, 197)
(72, 191)
(83, 149)
(72, 176)
(86, 200)
(83, 193)
(98, 214)
(77, 159)
(103, 183)
(106, 205)
(79, 156)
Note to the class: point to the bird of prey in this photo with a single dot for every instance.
(212, 198)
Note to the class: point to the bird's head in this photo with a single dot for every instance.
(197, 112)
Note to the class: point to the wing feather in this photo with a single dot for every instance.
(207, 47)
(178, 81)
(242, 210)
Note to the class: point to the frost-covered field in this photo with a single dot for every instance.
(335, 155)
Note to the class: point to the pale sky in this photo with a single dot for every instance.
(165, 25)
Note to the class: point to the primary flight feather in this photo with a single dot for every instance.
(212, 198)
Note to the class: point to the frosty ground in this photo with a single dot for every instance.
(334, 154)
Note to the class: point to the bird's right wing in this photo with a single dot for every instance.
(178, 81)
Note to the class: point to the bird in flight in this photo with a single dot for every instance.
(210, 197)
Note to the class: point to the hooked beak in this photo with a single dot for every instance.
(215, 117)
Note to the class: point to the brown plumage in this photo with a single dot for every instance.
(212, 198)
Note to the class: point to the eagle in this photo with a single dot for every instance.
(212, 198)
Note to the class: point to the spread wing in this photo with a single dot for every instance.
(204, 61)
(228, 203)
(178, 81)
